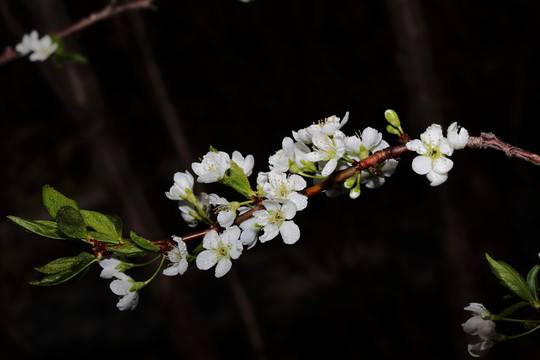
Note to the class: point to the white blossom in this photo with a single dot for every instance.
(44, 48)
(483, 329)
(278, 186)
(276, 218)
(110, 267)
(28, 44)
(220, 249)
(457, 136)
(329, 149)
(213, 166)
(326, 126)
(226, 213)
(123, 287)
(246, 163)
(187, 210)
(183, 184)
(432, 149)
(293, 151)
(177, 256)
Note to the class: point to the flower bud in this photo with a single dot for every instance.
(392, 118)
(349, 183)
(355, 192)
(393, 130)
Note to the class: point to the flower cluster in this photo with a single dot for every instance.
(313, 153)
(39, 49)
(481, 328)
(433, 149)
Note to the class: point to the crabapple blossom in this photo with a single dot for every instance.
(432, 149)
(220, 249)
(182, 187)
(328, 149)
(480, 327)
(124, 286)
(279, 187)
(290, 151)
(177, 257)
(276, 218)
(246, 163)
(226, 211)
(457, 136)
(326, 126)
(213, 166)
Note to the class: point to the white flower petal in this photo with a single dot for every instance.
(370, 138)
(442, 165)
(436, 178)
(270, 231)
(416, 145)
(290, 232)
(206, 259)
(223, 267)
(299, 200)
(421, 165)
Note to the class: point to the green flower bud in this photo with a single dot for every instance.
(392, 118)
(393, 130)
(349, 183)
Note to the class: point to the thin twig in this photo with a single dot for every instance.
(490, 140)
(105, 13)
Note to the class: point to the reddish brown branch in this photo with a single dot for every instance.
(489, 140)
(105, 13)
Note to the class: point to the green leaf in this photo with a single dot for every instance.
(143, 243)
(71, 222)
(532, 281)
(510, 278)
(106, 238)
(513, 308)
(117, 225)
(101, 223)
(43, 228)
(237, 179)
(53, 200)
(128, 249)
(67, 268)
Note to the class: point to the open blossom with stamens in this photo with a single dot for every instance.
(111, 267)
(177, 256)
(213, 166)
(183, 184)
(28, 44)
(480, 327)
(44, 48)
(290, 151)
(329, 149)
(277, 218)
(432, 149)
(326, 126)
(220, 249)
(279, 187)
(123, 287)
(226, 213)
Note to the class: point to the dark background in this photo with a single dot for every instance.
(382, 277)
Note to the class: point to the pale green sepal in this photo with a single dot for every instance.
(237, 179)
(143, 243)
(71, 222)
(510, 278)
(53, 200)
(45, 228)
(63, 269)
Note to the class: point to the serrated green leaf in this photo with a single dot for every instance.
(45, 228)
(142, 242)
(510, 278)
(106, 238)
(509, 311)
(117, 224)
(53, 200)
(71, 222)
(101, 223)
(128, 249)
(532, 281)
(62, 263)
(82, 261)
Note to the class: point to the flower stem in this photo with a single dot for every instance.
(508, 337)
(157, 270)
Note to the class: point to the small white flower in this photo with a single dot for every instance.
(326, 126)
(280, 187)
(28, 44)
(481, 328)
(220, 249)
(213, 167)
(187, 210)
(246, 163)
(110, 268)
(329, 149)
(276, 218)
(183, 184)
(44, 48)
(123, 287)
(226, 214)
(293, 151)
(457, 136)
(432, 161)
(248, 237)
(177, 257)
